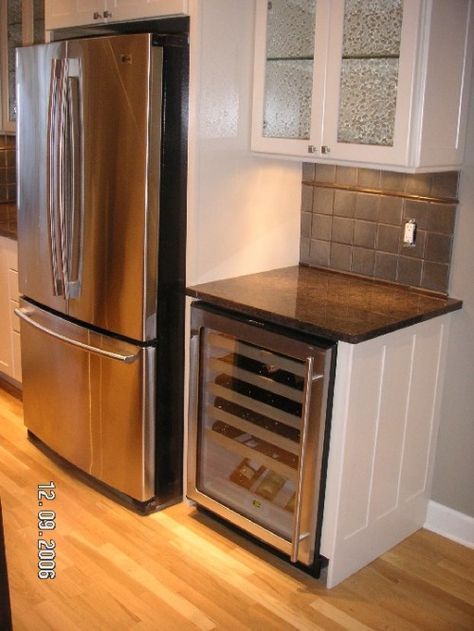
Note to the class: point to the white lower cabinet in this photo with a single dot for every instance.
(10, 356)
(67, 13)
(383, 436)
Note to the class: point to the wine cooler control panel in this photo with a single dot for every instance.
(258, 421)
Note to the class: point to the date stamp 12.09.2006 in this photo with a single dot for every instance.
(46, 494)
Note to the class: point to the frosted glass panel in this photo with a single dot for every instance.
(289, 68)
(290, 28)
(372, 28)
(288, 87)
(14, 39)
(369, 73)
(368, 101)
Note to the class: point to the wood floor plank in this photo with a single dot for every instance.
(335, 614)
(181, 570)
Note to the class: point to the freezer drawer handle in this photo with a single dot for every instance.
(128, 359)
(297, 537)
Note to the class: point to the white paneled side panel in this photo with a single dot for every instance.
(361, 437)
(420, 424)
(385, 419)
(5, 346)
(450, 62)
(8, 292)
(391, 428)
(16, 347)
(337, 443)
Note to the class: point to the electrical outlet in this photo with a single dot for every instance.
(409, 234)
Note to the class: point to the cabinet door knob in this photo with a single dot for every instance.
(107, 14)
(312, 149)
(325, 149)
(96, 15)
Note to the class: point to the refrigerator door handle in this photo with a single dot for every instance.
(53, 163)
(297, 537)
(72, 176)
(128, 359)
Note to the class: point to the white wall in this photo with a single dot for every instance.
(243, 210)
(453, 483)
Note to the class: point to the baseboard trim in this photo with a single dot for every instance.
(11, 386)
(450, 523)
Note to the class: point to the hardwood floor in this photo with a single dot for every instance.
(179, 569)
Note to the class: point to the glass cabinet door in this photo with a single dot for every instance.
(369, 71)
(369, 81)
(291, 39)
(260, 419)
(289, 68)
(21, 23)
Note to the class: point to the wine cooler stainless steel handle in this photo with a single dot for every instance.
(296, 534)
(128, 359)
(193, 408)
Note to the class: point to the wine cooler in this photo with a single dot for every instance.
(259, 419)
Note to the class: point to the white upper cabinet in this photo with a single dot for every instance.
(21, 23)
(378, 82)
(66, 13)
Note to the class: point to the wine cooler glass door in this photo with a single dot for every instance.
(259, 412)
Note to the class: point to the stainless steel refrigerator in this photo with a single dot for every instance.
(101, 140)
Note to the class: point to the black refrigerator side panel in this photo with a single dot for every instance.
(172, 270)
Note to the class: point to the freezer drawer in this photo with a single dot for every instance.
(91, 399)
(258, 417)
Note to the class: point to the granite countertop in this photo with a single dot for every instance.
(328, 304)
(8, 220)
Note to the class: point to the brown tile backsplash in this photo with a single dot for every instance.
(353, 220)
(322, 227)
(344, 203)
(319, 252)
(365, 233)
(367, 206)
(323, 200)
(434, 276)
(409, 271)
(342, 230)
(341, 256)
(363, 261)
(388, 238)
